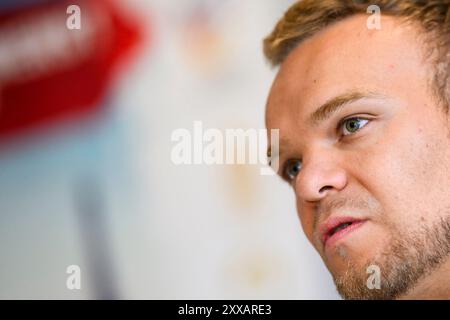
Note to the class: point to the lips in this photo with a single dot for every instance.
(335, 228)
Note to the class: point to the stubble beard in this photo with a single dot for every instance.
(409, 257)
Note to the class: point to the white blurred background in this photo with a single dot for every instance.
(101, 191)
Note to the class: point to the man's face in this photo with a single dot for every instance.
(376, 156)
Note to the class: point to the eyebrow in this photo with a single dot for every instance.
(333, 105)
(329, 108)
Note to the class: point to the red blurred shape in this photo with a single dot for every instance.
(48, 72)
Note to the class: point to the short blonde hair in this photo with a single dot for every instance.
(307, 17)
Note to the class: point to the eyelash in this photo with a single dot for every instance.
(340, 128)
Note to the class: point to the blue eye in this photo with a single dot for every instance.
(352, 125)
(291, 169)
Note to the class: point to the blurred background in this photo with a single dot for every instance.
(86, 177)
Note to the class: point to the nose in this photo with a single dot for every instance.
(319, 177)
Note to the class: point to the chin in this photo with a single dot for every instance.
(355, 255)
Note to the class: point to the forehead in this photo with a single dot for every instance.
(346, 56)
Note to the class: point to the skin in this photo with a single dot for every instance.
(393, 172)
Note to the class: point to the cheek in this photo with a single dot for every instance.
(403, 175)
(307, 220)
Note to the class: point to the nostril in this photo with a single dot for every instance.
(324, 189)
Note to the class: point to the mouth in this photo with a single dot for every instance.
(337, 228)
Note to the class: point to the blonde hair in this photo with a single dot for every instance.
(306, 18)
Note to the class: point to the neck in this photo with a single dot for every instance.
(435, 285)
